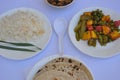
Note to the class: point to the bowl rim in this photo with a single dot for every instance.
(59, 6)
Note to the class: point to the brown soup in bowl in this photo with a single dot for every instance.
(59, 3)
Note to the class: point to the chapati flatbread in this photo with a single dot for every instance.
(68, 66)
(54, 75)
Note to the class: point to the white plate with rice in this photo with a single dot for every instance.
(111, 49)
(24, 25)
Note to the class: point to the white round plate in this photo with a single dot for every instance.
(109, 50)
(44, 61)
(41, 41)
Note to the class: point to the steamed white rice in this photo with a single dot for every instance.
(21, 25)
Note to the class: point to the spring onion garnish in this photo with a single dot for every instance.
(17, 49)
(19, 44)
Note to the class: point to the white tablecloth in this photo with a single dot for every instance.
(102, 69)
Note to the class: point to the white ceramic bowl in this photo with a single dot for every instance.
(59, 6)
(43, 62)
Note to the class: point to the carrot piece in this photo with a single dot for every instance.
(93, 34)
(89, 22)
(87, 13)
(106, 18)
(106, 30)
(114, 35)
(86, 35)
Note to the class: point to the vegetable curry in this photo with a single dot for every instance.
(96, 26)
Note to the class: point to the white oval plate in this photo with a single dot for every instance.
(44, 61)
(109, 50)
(41, 42)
